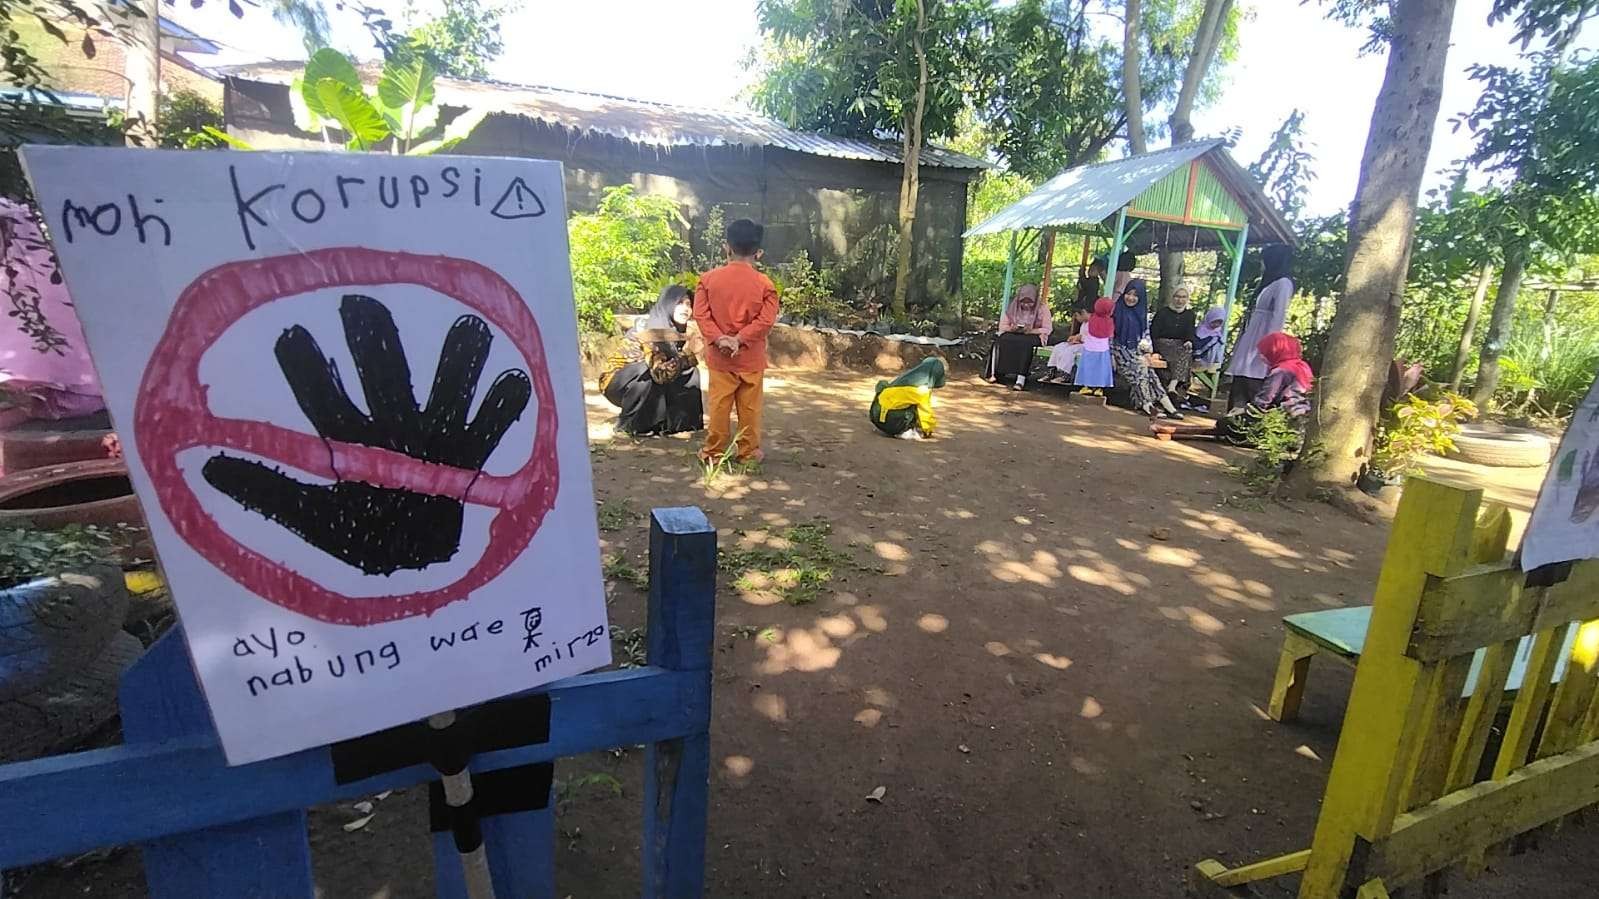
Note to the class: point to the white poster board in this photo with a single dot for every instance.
(348, 392)
(1565, 522)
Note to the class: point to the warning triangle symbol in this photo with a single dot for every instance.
(518, 202)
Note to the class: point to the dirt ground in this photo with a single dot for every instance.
(1049, 639)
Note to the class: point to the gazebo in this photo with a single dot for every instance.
(1189, 197)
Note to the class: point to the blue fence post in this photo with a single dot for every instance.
(682, 622)
(265, 857)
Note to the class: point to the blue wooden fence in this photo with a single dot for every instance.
(209, 830)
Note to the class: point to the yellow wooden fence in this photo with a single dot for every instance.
(1414, 792)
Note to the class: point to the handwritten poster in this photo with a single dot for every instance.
(1565, 522)
(348, 393)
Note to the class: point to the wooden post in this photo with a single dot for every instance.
(1116, 249)
(1432, 535)
(682, 617)
(265, 856)
(1049, 267)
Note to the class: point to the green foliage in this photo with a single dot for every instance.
(617, 567)
(1416, 426)
(186, 120)
(807, 293)
(796, 564)
(1284, 167)
(629, 647)
(615, 514)
(27, 553)
(1549, 371)
(1047, 87)
(570, 789)
(400, 113)
(1275, 438)
(621, 252)
(463, 39)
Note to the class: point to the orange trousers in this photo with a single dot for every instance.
(730, 389)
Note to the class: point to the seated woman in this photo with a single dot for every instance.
(1022, 328)
(1172, 336)
(654, 379)
(1286, 386)
(1146, 393)
(903, 407)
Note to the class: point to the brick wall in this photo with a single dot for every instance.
(71, 70)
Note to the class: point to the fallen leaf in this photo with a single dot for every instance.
(363, 808)
(874, 796)
(964, 748)
(383, 795)
(1160, 533)
(358, 823)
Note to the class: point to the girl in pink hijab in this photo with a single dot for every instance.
(1023, 327)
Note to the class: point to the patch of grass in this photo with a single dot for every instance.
(615, 514)
(629, 647)
(797, 566)
(618, 568)
(569, 790)
(722, 463)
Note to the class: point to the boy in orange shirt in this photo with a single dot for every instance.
(735, 306)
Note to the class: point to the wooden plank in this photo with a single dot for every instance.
(1373, 889)
(1489, 604)
(1573, 699)
(148, 791)
(1338, 631)
(1293, 665)
(1292, 863)
(1201, 882)
(1438, 834)
(267, 856)
(1445, 710)
(1530, 700)
(682, 615)
(1478, 719)
(1432, 535)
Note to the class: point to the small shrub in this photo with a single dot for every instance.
(27, 553)
(615, 514)
(807, 293)
(1275, 439)
(1415, 426)
(621, 252)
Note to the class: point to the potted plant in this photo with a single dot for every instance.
(1412, 427)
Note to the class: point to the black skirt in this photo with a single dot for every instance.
(1012, 355)
(651, 408)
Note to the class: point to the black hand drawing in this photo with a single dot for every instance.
(381, 530)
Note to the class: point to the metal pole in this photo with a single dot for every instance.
(457, 793)
(1232, 280)
(1010, 272)
(1116, 249)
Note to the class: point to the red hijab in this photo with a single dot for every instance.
(1281, 351)
(1100, 324)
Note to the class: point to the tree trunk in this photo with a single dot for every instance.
(1206, 39)
(1499, 325)
(1546, 349)
(142, 67)
(910, 185)
(1360, 345)
(1468, 333)
(1132, 87)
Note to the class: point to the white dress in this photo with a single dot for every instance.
(1064, 356)
(1269, 315)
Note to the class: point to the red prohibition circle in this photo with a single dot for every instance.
(171, 415)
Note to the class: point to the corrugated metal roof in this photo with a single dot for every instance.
(641, 121)
(1091, 194)
(1088, 194)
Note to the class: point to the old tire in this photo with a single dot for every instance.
(53, 627)
(60, 715)
(96, 492)
(1505, 449)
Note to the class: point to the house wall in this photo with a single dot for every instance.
(102, 76)
(842, 212)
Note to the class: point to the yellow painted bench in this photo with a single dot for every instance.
(1416, 793)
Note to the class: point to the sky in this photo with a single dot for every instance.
(1290, 57)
